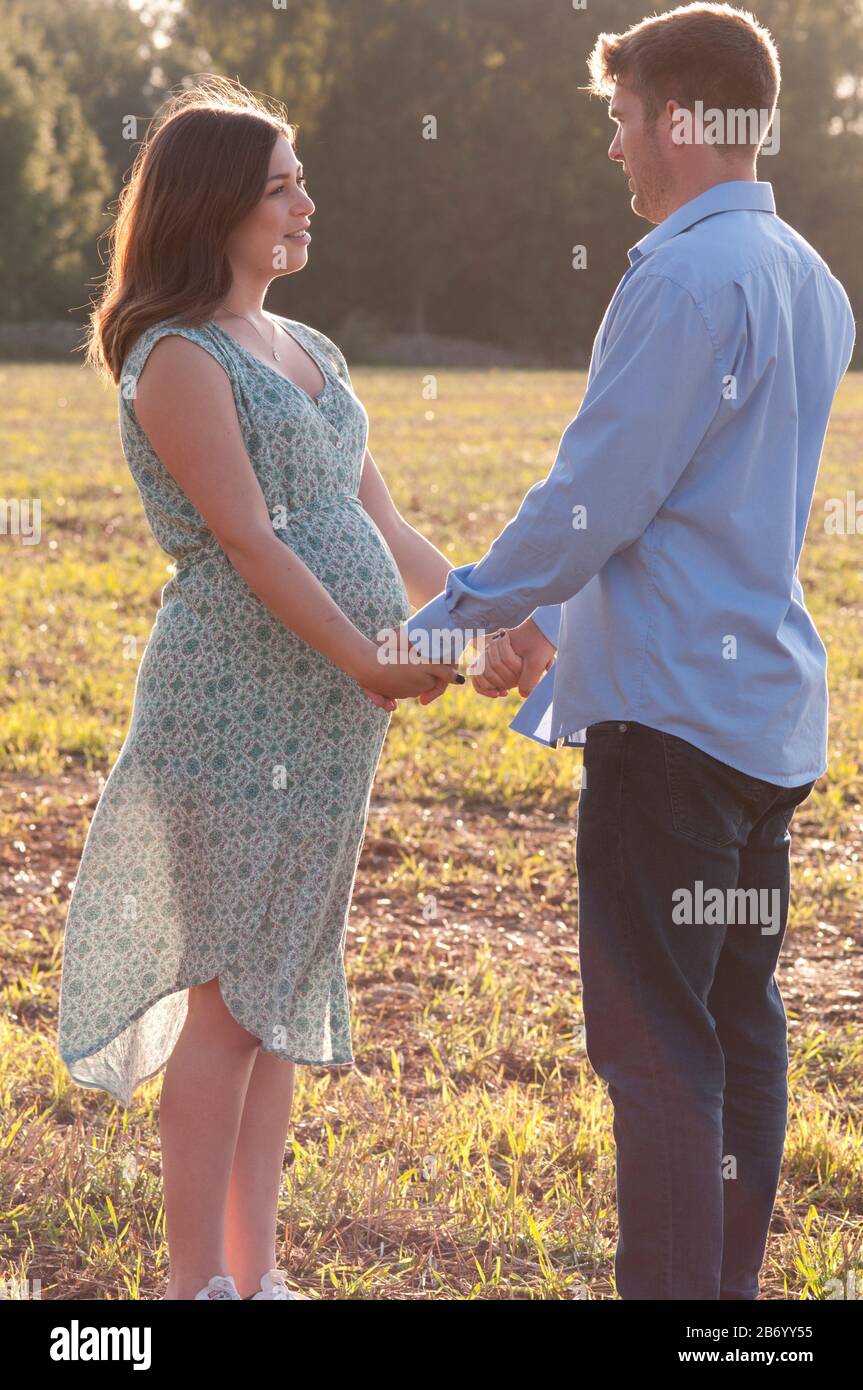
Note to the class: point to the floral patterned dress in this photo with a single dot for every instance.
(226, 838)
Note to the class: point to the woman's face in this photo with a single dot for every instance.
(263, 244)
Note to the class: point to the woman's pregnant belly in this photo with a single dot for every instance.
(225, 690)
(342, 546)
(209, 614)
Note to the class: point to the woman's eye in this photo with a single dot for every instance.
(280, 188)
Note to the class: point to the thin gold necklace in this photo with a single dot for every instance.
(277, 355)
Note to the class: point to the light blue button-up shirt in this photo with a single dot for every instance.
(660, 554)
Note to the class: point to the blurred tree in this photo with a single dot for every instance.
(54, 179)
(818, 171)
(278, 49)
(453, 156)
(70, 80)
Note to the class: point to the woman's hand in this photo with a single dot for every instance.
(382, 701)
(400, 674)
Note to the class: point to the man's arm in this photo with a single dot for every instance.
(647, 409)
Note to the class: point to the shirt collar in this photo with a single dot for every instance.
(732, 196)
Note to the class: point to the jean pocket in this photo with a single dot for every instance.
(710, 802)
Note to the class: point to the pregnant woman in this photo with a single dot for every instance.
(207, 924)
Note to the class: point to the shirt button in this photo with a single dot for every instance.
(622, 728)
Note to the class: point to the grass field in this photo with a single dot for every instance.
(469, 1153)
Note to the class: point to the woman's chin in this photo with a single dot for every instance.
(292, 264)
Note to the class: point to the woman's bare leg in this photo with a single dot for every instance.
(201, 1107)
(256, 1175)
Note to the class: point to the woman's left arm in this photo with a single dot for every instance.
(422, 566)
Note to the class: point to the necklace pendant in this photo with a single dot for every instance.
(277, 355)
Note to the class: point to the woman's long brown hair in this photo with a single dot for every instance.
(200, 169)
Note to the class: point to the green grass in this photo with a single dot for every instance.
(469, 1154)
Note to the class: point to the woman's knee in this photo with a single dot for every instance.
(208, 1007)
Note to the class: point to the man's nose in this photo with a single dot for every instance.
(614, 150)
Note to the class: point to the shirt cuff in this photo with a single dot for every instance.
(434, 616)
(547, 620)
(438, 633)
(534, 717)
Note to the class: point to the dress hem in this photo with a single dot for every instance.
(69, 1062)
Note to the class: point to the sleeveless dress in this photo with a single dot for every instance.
(226, 838)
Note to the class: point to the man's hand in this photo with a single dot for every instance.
(518, 657)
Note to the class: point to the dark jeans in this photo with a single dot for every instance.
(683, 1016)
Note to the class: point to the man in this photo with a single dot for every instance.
(661, 558)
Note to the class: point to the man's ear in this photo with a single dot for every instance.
(679, 121)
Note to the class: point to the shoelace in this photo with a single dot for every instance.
(221, 1287)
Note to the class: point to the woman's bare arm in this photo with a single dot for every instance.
(423, 568)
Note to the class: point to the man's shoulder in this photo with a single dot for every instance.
(720, 252)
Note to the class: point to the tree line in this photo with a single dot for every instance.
(456, 162)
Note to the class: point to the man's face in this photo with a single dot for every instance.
(636, 148)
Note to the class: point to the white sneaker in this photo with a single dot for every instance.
(220, 1286)
(273, 1286)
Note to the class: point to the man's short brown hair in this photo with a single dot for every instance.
(708, 52)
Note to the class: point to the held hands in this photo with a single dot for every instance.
(519, 657)
(406, 677)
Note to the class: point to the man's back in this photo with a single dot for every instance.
(776, 308)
